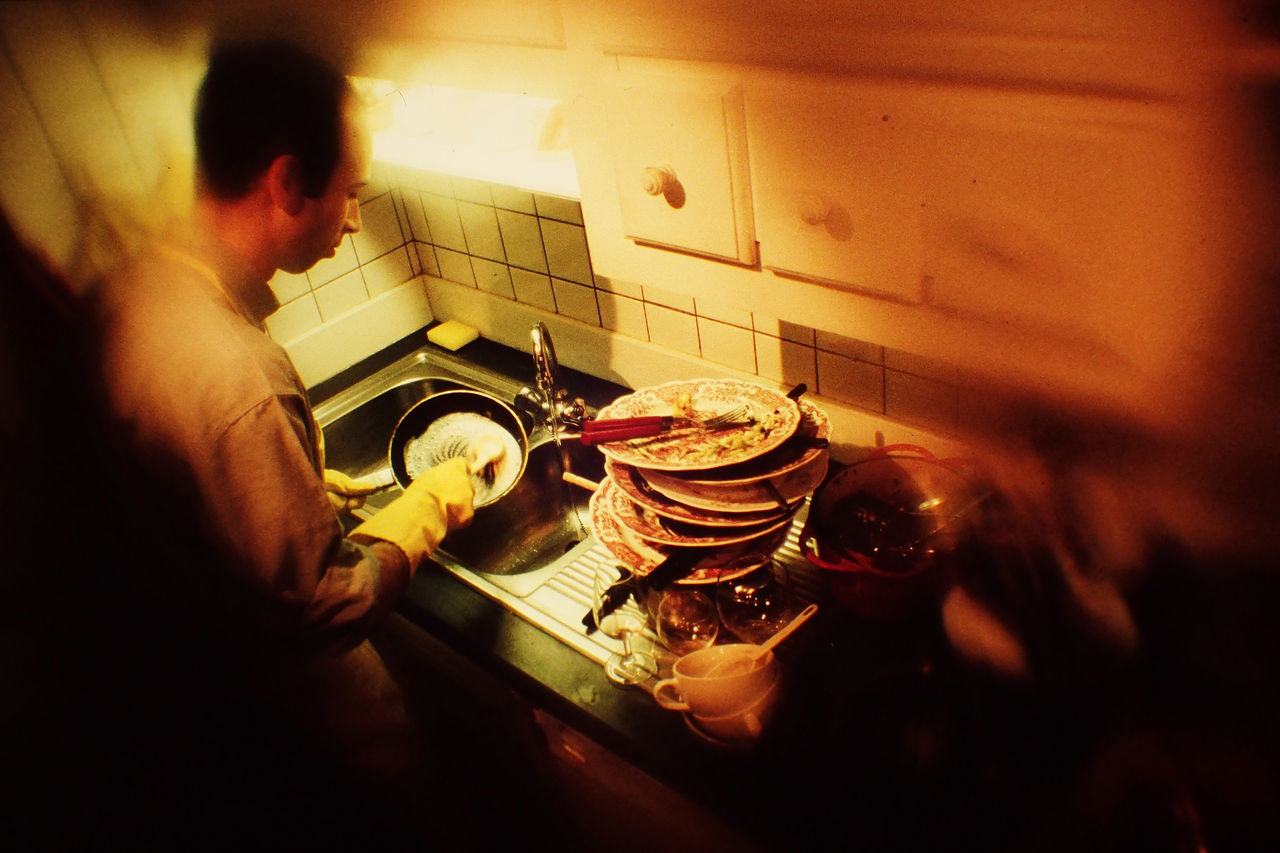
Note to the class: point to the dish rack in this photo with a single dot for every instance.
(558, 603)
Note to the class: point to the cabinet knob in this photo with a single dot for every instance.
(657, 180)
(814, 209)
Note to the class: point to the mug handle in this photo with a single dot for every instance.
(671, 703)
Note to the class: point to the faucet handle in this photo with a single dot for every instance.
(529, 401)
(573, 412)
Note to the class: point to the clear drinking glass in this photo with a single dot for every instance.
(686, 620)
(755, 605)
(618, 615)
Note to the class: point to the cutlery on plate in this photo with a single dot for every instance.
(621, 429)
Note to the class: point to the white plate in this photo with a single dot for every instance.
(793, 453)
(694, 449)
(643, 557)
(654, 528)
(629, 481)
(757, 495)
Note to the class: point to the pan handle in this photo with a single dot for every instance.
(577, 480)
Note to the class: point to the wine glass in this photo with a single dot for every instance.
(618, 615)
(756, 604)
(686, 620)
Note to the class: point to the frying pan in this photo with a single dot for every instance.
(445, 424)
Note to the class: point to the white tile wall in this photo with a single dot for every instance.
(480, 230)
(672, 329)
(576, 301)
(727, 344)
(566, 248)
(388, 272)
(786, 362)
(493, 277)
(623, 315)
(533, 289)
(523, 240)
(341, 295)
(379, 232)
(547, 267)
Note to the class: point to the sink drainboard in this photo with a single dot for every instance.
(558, 603)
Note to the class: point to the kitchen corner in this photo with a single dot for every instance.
(877, 712)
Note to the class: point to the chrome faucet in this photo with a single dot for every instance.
(547, 401)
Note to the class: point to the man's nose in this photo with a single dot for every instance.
(352, 223)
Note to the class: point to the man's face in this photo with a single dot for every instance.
(325, 220)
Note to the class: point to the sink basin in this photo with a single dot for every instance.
(356, 443)
(537, 525)
(531, 551)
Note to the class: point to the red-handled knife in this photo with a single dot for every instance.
(621, 429)
(658, 421)
(601, 436)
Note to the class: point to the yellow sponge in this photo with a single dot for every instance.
(452, 335)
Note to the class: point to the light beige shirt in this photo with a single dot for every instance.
(203, 388)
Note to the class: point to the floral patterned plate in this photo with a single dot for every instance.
(767, 493)
(775, 417)
(627, 478)
(797, 451)
(641, 557)
(655, 528)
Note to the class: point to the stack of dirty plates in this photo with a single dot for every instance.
(731, 494)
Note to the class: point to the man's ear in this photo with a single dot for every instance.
(284, 183)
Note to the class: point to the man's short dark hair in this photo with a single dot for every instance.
(262, 99)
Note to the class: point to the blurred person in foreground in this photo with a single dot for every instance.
(216, 413)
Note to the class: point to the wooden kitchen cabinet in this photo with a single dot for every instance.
(1069, 219)
(680, 164)
(837, 185)
(621, 807)
(537, 777)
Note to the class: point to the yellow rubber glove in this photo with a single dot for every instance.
(347, 494)
(439, 500)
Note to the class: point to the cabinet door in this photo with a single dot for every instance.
(1067, 218)
(679, 157)
(837, 186)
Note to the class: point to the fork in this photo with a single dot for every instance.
(627, 428)
(724, 418)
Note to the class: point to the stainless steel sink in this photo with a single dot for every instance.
(533, 528)
(532, 551)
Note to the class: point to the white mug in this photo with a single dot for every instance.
(745, 725)
(696, 686)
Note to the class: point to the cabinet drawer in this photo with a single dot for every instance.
(837, 187)
(679, 157)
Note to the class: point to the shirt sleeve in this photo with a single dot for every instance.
(263, 487)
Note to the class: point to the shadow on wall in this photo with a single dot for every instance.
(97, 150)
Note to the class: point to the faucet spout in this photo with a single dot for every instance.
(548, 400)
(545, 366)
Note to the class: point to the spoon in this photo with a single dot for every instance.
(745, 664)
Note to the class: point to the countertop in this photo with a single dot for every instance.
(885, 738)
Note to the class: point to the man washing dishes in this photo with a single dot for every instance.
(215, 406)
